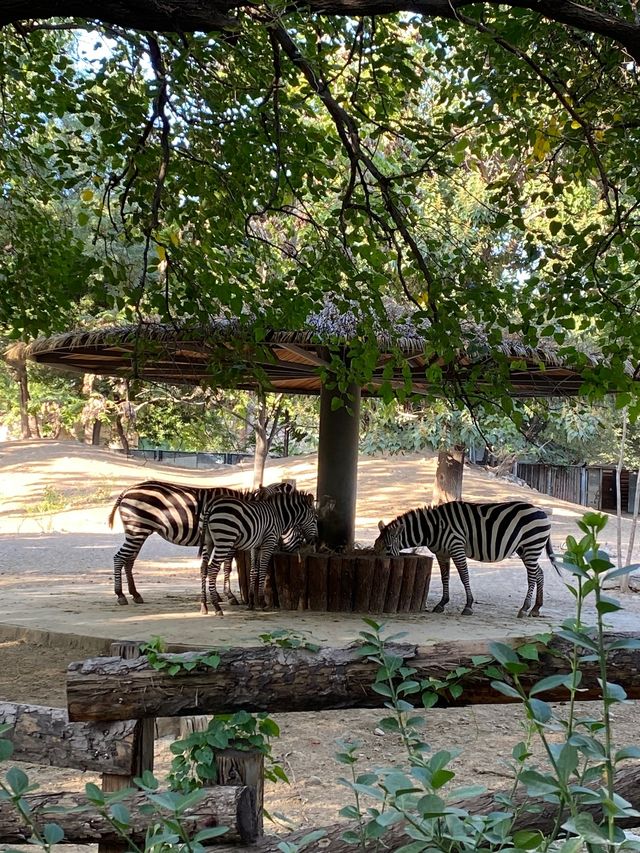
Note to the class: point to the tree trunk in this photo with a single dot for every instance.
(15, 357)
(634, 520)
(262, 448)
(626, 783)
(229, 806)
(624, 579)
(122, 435)
(86, 429)
(262, 679)
(448, 483)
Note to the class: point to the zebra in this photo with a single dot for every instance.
(172, 511)
(229, 524)
(481, 531)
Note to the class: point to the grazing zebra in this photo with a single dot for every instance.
(173, 512)
(230, 524)
(482, 531)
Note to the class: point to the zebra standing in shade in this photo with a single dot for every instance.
(230, 524)
(173, 512)
(482, 531)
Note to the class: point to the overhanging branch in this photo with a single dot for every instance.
(182, 16)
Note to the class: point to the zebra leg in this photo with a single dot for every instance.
(131, 584)
(531, 566)
(204, 569)
(213, 569)
(125, 558)
(539, 591)
(253, 579)
(445, 564)
(266, 552)
(460, 562)
(228, 596)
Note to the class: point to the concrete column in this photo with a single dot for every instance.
(338, 467)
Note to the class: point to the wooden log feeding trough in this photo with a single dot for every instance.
(343, 583)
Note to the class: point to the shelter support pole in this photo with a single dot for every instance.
(338, 466)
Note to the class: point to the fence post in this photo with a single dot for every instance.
(243, 767)
(143, 749)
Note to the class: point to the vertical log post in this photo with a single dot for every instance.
(145, 731)
(338, 466)
(243, 767)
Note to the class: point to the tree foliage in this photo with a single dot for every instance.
(479, 164)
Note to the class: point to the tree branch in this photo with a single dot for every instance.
(184, 16)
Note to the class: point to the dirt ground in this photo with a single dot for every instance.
(74, 549)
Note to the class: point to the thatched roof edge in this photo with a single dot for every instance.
(222, 331)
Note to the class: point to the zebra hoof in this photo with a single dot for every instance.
(467, 612)
(231, 599)
(138, 599)
(439, 608)
(522, 613)
(122, 600)
(535, 613)
(204, 610)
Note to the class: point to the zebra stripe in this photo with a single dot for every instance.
(230, 524)
(173, 512)
(489, 532)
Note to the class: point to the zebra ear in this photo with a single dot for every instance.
(381, 526)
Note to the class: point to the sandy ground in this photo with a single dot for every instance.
(57, 605)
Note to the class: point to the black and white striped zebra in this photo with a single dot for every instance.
(172, 511)
(230, 524)
(489, 532)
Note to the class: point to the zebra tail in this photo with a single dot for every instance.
(115, 507)
(552, 556)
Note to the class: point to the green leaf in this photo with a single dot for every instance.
(550, 682)
(528, 651)
(627, 752)
(623, 570)
(6, 749)
(213, 832)
(121, 814)
(502, 653)
(527, 839)
(506, 689)
(540, 711)
(17, 780)
(52, 833)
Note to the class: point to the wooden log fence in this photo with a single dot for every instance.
(273, 679)
(113, 702)
(541, 815)
(48, 734)
(228, 806)
(119, 751)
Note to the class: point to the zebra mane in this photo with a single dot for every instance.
(399, 520)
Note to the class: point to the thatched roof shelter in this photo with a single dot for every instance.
(291, 361)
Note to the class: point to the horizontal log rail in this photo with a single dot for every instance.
(272, 679)
(229, 806)
(45, 736)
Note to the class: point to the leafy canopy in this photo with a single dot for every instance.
(482, 169)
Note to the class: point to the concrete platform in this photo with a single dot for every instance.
(56, 589)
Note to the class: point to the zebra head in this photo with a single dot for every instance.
(286, 487)
(389, 541)
(304, 515)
